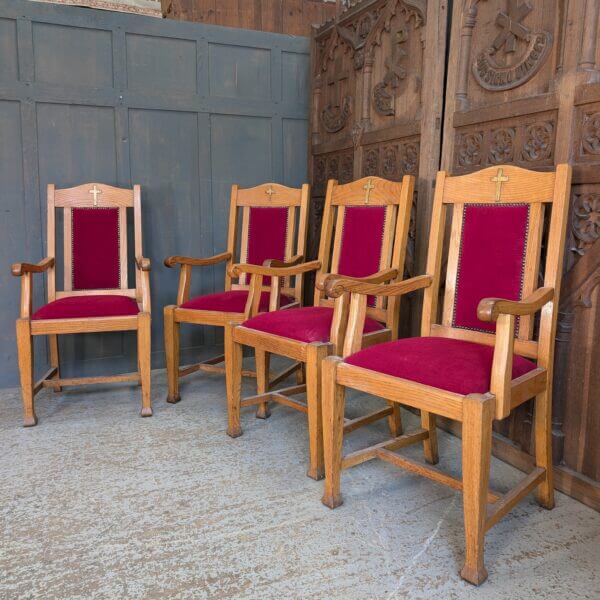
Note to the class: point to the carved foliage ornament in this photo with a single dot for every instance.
(586, 220)
(495, 73)
(590, 134)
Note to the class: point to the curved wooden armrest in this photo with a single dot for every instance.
(143, 264)
(173, 261)
(398, 288)
(334, 285)
(238, 269)
(19, 269)
(490, 309)
(279, 264)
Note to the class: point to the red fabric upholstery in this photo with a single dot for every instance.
(362, 240)
(447, 364)
(233, 301)
(492, 259)
(78, 307)
(308, 324)
(267, 235)
(96, 263)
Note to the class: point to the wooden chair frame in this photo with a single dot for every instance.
(476, 412)
(267, 195)
(371, 191)
(104, 196)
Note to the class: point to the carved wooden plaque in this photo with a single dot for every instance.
(524, 88)
(377, 96)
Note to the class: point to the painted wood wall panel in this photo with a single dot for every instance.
(91, 95)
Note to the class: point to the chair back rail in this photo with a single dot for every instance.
(364, 230)
(79, 205)
(273, 225)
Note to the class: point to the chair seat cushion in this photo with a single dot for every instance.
(308, 324)
(77, 307)
(233, 301)
(453, 365)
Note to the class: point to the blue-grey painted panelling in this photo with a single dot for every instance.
(183, 109)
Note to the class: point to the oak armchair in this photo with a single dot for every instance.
(363, 235)
(274, 219)
(478, 359)
(96, 296)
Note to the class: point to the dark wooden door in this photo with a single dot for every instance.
(377, 96)
(524, 88)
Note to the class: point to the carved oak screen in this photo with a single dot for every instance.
(377, 95)
(524, 88)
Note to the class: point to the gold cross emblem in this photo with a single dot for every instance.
(368, 187)
(499, 179)
(95, 191)
(270, 191)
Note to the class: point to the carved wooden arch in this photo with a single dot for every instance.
(393, 55)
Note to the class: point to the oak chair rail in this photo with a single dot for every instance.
(477, 411)
(266, 195)
(86, 196)
(395, 199)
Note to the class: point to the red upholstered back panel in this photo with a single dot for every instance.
(95, 248)
(491, 261)
(267, 235)
(362, 241)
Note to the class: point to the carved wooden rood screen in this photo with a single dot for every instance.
(377, 91)
(524, 88)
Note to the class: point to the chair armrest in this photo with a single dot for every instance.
(490, 309)
(337, 287)
(273, 262)
(173, 261)
(19, 269)
(237, 269)
(143, 264)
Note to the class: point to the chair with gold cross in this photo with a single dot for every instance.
(96, 296)
(478, 358)
(274, 219)
(363, 236)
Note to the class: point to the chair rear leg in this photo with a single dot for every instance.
(395, 420)
(172, 354)
(55, 358)
(144, 362)
(233, 381)
(476, 454)
(301, 374)
(543, 448)
(430, 444)
(315, 355)
(263, 361)
(333, 432)
(25, 355)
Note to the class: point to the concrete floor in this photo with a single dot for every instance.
(96, 502)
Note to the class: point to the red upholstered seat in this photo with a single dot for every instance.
(447, 364)
(78, 307)
(308, 324)
(233, 301)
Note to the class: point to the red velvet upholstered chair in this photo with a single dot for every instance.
(271, 216)
(476, 360)
(96, 296)
(371, 218)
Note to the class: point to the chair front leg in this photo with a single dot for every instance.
(25, 355)
(233, 381)
(262, 361)
(543, 448)
(316, 354)
(144, 348)
(395, 420)
(172, 354)
(478, 414)
(333, 431)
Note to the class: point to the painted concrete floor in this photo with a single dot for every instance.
(96, 502)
